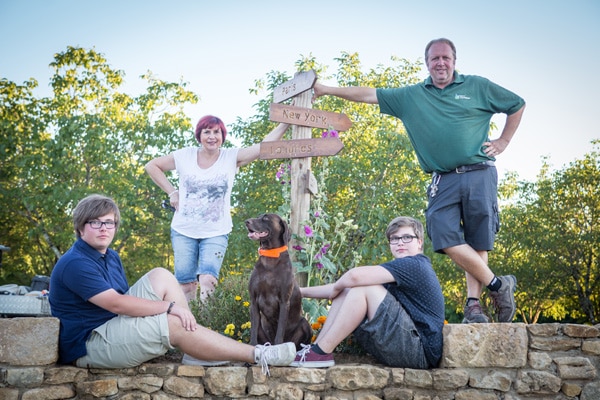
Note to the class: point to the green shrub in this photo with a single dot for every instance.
(227, 310)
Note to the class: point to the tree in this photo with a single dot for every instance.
(552, 241)
(88, 137)
(374, 178)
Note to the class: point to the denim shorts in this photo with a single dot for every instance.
(464, 210)
(391, 336)
(195, 257)
(125, 342)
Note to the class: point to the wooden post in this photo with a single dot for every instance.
(302, 147)
(300, 173)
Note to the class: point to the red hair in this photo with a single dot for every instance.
(207, 122)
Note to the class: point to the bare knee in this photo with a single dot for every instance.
(162, 280)
(160, 273)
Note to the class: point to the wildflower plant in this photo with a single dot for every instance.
(348, 345)
(318, 248)
(330, 133)
(227, 310)
(284, 177)
(317, 251)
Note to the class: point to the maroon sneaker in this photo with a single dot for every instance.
(306, 358)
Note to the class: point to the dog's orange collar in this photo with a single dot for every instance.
(273, 253)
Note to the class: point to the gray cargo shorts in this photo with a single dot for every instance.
(391, 336)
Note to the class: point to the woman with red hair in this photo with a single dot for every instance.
(202, 220)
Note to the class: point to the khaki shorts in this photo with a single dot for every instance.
(123, 341)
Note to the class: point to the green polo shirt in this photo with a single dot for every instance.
(447, 127)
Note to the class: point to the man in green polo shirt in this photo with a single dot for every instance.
(447, 118)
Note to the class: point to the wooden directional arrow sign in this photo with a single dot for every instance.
(309, 117)
(299, 148)
(301, 82)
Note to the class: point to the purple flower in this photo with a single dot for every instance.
(298, 248)
(317, 214)
(319, 265)
(308, 231)
(333, 133)
(325, 248)
(283, 169)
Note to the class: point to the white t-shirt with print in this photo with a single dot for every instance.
(204, 194)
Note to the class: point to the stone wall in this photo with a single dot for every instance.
(480, 362)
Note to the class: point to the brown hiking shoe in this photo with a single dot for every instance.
(474, 314)
(504, 299)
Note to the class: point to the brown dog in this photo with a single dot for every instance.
(275, 298)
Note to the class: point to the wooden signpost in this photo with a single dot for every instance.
(309, 117)
(301, 82)
(302, 146)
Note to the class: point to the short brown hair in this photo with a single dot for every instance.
(92, 207)
(440, 40)
(399, 222)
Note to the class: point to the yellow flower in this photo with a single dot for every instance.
(238, 298)
(230, 329)
(246, 304)
(247, 325)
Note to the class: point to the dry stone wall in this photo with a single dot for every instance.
(480, 362)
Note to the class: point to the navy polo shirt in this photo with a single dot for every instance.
(81, 273)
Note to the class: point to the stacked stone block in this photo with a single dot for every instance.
(480, 362)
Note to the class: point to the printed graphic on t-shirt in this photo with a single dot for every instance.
(205, 198)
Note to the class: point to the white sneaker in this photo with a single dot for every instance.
(189, 360)
(277, 355)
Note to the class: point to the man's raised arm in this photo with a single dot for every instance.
(359, 94)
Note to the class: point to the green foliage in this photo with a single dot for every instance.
(552, 242)
(315, 253)
(375, 178)
(318, 255)
(90, 137)
(86, 138)
(227, 310)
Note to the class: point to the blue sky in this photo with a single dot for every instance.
(541, 49)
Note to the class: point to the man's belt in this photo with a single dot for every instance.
(470, 167)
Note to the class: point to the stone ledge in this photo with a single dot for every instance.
(480, 361)
(29, 341)
(34, 341)
(485, 345)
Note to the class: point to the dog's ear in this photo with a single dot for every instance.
(286, 234)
